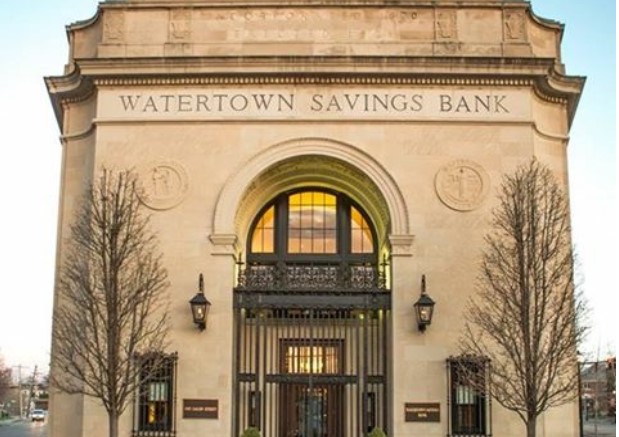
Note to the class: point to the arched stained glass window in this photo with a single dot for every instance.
(314, 223)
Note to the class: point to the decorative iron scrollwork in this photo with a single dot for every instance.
(311, 277)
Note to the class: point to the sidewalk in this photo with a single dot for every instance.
(9, 421)
(606, 427)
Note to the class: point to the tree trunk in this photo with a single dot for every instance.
(113, 424)
(531, 426)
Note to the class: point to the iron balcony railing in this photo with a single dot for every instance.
(288, 277)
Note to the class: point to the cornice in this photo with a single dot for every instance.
(70, 88)
(81, 24)
(558, 86)
(546, 22)
(312, 79)
(539, 74)
(418, 64)
(312, 3)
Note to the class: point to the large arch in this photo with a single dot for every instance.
(310, 161)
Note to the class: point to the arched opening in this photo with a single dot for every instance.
(312, 224)
(305, 162)
(311, 319)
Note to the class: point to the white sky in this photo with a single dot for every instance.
(33, 45)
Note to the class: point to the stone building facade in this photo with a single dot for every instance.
(313, 160)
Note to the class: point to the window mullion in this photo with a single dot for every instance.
(281, 228)
(343, 228)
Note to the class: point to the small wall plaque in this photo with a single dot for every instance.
(422, 412)
(200, 409)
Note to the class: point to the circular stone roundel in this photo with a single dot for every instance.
(164, 185)
(462, 185)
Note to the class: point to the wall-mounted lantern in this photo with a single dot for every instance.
(200, 306)
(424, 307)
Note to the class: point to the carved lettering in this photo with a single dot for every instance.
(464, 104)
(367, 102)
(396, 102)
(498, 104)
(130, 102)
(150, 105)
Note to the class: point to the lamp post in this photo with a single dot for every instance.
(424, 307)
(200, 306)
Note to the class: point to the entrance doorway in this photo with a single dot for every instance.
(311, 409)
(311, 372)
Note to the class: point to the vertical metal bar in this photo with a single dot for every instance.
(450, 413)
(358, 425)
(247, 332)
(249, 327)
(350, 346)
(267, 352)
(365, 372)
(237, 325)
(387, 355)
(255, 357)
(311, 375)
(376, 363)
(338, 357)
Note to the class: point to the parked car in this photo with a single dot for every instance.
(36, 415)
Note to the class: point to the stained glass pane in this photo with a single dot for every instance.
(267, 241)
(294, 217)
(330, 244)
(330, 216)
(268, 218)
(256, 240)
(312, 220)
(361, 235)
(319, 241)
(306, 241)
(262, 240)
(356, 241)
(295, 199)
(356, 219)
(306, 217)
(294, 241)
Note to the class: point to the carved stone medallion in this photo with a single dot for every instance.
(462, 185)
(446, 26)
(514, 25)
(165, 185)
(180, 25)
(114, 26)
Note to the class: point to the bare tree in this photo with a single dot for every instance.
(5, 379)
(112, 304)
(526, 316)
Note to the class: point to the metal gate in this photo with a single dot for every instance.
(311, 350)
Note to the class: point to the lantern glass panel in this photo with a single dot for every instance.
(425, 313)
